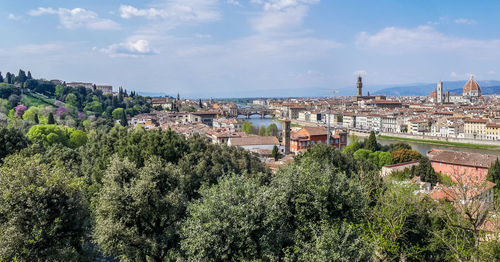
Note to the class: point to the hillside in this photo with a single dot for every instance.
(455, 87)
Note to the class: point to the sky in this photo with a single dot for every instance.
(250, 48)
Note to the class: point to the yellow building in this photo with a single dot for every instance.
(493, 131)
(475, 128)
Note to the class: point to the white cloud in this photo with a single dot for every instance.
(492, 72)
(176, 11)
(130, 48)
(465, 21)
(77, 18)
(395, 40)
(13, 17)
(279, 15)
(233, 2)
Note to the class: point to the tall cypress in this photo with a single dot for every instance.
(123, 120)
(51, 120)
(1, 77)
(371, 143)
(36, 119)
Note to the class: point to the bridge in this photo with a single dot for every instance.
(261, 112)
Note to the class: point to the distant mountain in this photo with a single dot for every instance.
(424, 89)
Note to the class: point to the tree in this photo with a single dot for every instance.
(43, 212)
(11, 141)
(247, 127)
(226, 223)
(353, 146)
(371, 143)
(35, 119)
(117, 113)
(425, 171)
(404, 155)
(276, 153)
(72, 100)
(362, 154)
(262, 131)
(123, 119)
(494, 173)
(200, 104)
(21, 77)
(77, 139)
(51, 120)
(272, 130)
(139, 210)
(29, 75)
(1, 77)
(14, 100)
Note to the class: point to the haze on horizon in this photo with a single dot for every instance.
(237, 48)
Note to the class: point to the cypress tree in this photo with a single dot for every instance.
(51, 120)
(371, 143)
(123, 120)
(276, 153)
(494, 173)
(36, 119)
(1, 77)
(29, 75)
(425, 171)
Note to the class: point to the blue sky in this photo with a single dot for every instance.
(238, 48)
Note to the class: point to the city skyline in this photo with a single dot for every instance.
(204, 48)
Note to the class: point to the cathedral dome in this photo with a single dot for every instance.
(471, 86)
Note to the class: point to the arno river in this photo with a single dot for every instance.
(423, 148)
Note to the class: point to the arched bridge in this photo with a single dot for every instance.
(250, 112)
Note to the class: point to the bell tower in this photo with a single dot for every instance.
(359, 85)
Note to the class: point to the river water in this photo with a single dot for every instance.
(423, 148)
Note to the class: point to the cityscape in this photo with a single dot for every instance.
(261, 130)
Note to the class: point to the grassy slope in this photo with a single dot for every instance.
(441, 142)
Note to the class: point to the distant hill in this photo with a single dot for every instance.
(455, 87)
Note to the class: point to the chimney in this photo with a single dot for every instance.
(286, 135)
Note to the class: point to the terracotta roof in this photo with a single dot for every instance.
(316, 131)
(461, 158)
(254, 140)
(471, 85)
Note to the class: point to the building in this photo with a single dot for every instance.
(202, 117)
(472, 90)
(439, 93)
(310, 136)
(475, 128)
(388, 170)
(77, 84)
(105, 89)
(493, 131)
(254, 143)
(462, 167)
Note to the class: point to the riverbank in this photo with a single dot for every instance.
(437, 142)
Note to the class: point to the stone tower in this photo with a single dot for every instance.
(359, 85)
(447, 97)
(286, 136)
(439, 93)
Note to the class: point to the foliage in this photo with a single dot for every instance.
(43, 215)
(247, 127)
(425, 171)
(262, 131)
(494, 173)
(371, 143)
(275, 153)
(354, 145)
(117, 113)
(51, 134)
(6, 90)
(51, 119)
(272, 130)
(11, 140)
(19, 110)
(404, 155)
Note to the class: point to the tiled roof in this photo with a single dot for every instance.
(254, 140)
(461, 158)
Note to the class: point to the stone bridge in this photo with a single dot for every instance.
(261, 112)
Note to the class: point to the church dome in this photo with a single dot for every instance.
(471, 86)
(433, 95)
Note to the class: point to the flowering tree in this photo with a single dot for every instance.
(61, 110)
(19, 110)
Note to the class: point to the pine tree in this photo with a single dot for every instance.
(36, 119)
(371, 143)
(123, 120)
(51, 120)
(276, 153)
(494, 173)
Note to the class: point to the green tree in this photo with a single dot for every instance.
(11, 140)
(72, 100)
(21, 77)
(123, 119)
(362, 154)
(494, 173)
(51, 120)
(117, 113)
(272, 130)
(77, 139)
(276, 153)
(59, 91)
(425, 171)
(226, 223)
(139, 210)
(371, 143)
(262, 131)
(43, 212)
(354, 145)
(247, 127)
